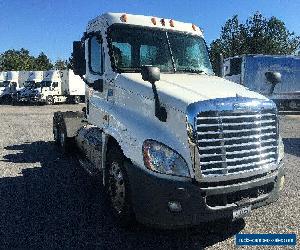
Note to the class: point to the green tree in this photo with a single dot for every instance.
(70, 62)
(22, 60)
(61, 64)
(16, 60)
(42, 62)
(258, 35)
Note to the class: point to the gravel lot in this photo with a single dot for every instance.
(47, 202)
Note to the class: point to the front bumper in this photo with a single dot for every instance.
(151, 193)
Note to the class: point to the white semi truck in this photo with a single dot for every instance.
(31, 86)
(9, 86)
(61, 86)
(173, 144)
(3, 84)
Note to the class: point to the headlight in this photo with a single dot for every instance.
(280, 149)
(162, 159)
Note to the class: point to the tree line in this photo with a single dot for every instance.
(22, 60)
(257, 35)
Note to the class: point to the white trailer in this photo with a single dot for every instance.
(61, 86)
(250, 71)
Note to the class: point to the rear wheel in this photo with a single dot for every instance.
(118, 186)
(65, 143)
(49, 100)
(77, 99)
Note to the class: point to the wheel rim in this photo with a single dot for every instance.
(116, 187)
(62, 139)
(50, 101)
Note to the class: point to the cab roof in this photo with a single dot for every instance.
(108, 19)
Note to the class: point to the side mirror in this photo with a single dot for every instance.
(79, 58)
(273, 77)
(150, 73)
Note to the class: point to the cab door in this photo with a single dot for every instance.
(97, 112)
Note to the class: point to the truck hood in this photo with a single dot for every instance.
(180, 90)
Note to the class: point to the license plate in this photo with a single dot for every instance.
(241, 212)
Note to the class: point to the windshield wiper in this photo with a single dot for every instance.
(197, 71)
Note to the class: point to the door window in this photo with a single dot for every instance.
(96, 55)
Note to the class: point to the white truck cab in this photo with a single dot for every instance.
(31, 86)
(60, 86)
(3, 83)
(175, 144)
(9, 86)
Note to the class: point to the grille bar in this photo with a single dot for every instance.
(237, 145)
(240, 152)
(236, 131)
(236, 138)
(239, 159)
(255, 164)
(233, 117)
(236, 124)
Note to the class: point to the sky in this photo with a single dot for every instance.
(52, 25)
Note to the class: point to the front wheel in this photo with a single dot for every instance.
(118, 187)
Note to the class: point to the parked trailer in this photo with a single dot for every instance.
(250, 71)
(3, 83)
(173, 144)
(60, 86)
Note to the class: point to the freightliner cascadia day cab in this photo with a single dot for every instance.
(174, 144)
(250, 71)
(61, 86)
(31, 86)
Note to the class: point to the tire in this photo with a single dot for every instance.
(117, 187)
(65, 143)
(49, 100)
(77, 99)
(56, 134)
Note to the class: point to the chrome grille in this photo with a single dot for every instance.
(234, 141)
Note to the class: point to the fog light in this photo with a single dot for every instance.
(281, 182)
(174, 206)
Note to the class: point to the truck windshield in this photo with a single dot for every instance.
(171, 51)
(32, 84)
(46, 83)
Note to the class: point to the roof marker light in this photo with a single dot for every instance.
(171, 23)
(194, 27)
(153, 20)
(123, 18)
(162, 21)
